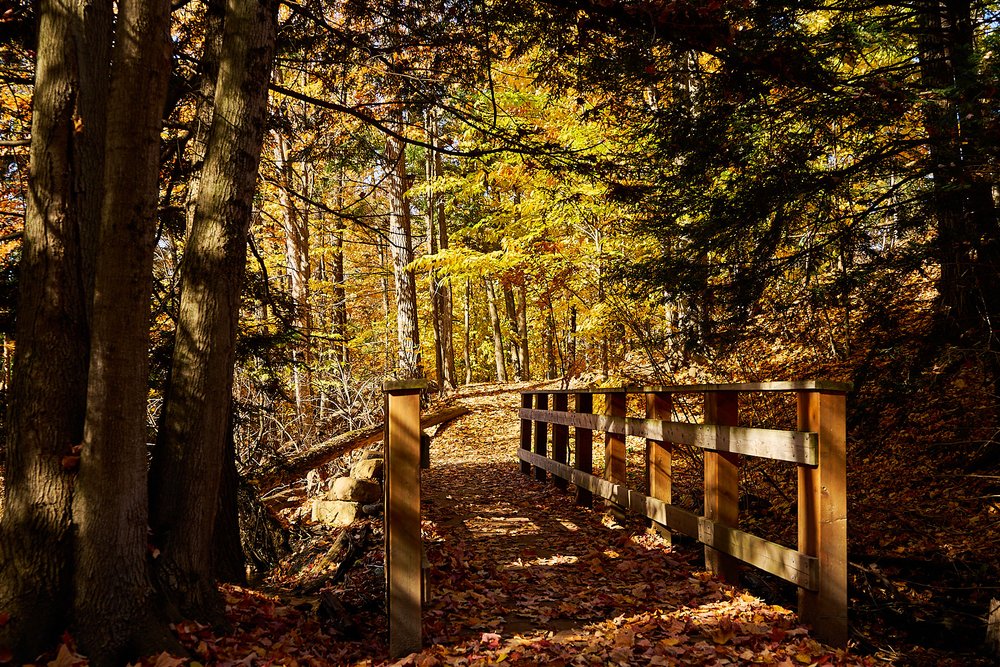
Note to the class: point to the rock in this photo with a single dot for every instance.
(335, 512)
(375, 509)
(356, 490)
(369, 469)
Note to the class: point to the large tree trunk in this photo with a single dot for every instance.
(491, 304)
(190, 451)
(48, 388)
(208, 73)
(401, 248)
(112, 587)
(968, 238)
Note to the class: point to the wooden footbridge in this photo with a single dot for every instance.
(817, 447)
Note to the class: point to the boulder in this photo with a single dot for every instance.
(375, 509)
(335, 512)
(369, 469)
(356, 490)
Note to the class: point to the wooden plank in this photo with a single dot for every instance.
(659, 478)
(793, 385)
(779, 445)
(788, 564)
(614, 445)
(823, 515)
(560, 439)
(722, 478)
(583, 459)
(525, 431)
(404, 549)
(541, 432)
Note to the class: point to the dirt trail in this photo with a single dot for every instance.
(519, 573)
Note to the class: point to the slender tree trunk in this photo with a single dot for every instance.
(522, 330)
(384, 280)
(110, 508)
(467, 347)
(190, 453)
(551, 343)
(401, 248)
(339, 293)
(295, 221)
(437, 238)
(437, 305)
(491, 302)
(510, 310)
(48, 387)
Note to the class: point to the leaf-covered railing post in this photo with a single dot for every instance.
(614, 443)
(403, 547)
(583, 458)
(659, 480)
(722, 477)
(526, 431)
(560, 438)
(541, 433)
(823, 514)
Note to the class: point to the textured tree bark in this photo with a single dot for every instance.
(49, 383)
(437, 238)
(296, 226)
(522, 330)
(968, 234)
(339, 293)
(467, 321)
(190, 452)
(401, 249)
(208, 73)
(491, 304)
(112, 588)
(512, 339)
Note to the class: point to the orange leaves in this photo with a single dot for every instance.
(71, 461)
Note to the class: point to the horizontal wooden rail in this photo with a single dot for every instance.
(740, 387)
(792, 446)
(788, 564)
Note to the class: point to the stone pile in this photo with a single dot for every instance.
(350, 498)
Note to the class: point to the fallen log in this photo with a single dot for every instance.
(298, 464)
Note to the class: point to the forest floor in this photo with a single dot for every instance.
(520, 575)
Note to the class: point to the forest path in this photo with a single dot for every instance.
(519, 573)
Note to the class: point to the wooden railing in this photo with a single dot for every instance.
(819, 565)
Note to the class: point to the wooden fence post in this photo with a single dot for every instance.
(659, 478)
(526, 432)
(403, 547)
(584, 448)
(541, 434)
(722, 493)
(560, 438)
(823, 514)
(614, 448)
